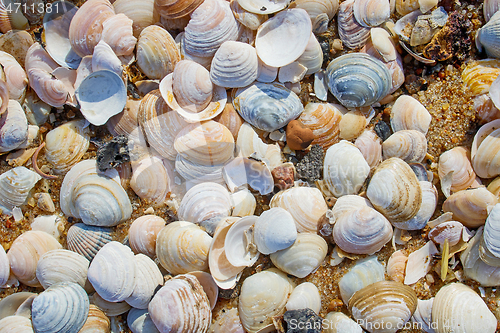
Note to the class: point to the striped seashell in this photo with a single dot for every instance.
(143, 232)
(150, 277)
(320, 12)
(371, 13)
(15, 323)
(323, 119)
(62, 266)
(484, 160)
(246, 18)
(15, 77)
(141, 13)
(370, 146)
(470, 206)
(457, 161)
(87, 240)
(305, 295)
(13, 127)
(427, 208)
(487, 37)
(11, 19)
(139, 321)
(176, 9)
(352, 34)
(234, 65)
(408, 145)
(15, 186)
(194, 173)
(396, 266)
(347, 203)
(117, 32)
(479, 75)
(450, 230)
(97, 321)
(63, 307)
(409, 114)
(490, 7)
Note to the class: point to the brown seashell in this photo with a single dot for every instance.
(298, 136)
(231, 119)
(142, 234)
(97, 321)
(177, 8)
(479, 75)
(396, 266)
(323, 119)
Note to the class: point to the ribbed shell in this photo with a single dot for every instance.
(267, 106)
(141, 12)
(113, 272)
(358, 79)
(194, 173)
(303, 257)
(490, 7)
(371, 13)
(117, 32)
(62, 266)
(409, 114)
(234, 65)
(370, 146)
(427, 208)
(470, 206)
(456, 160)
(352, 34)
(97, 321)
(143, 232)
(486, 161)
(479, 75)
(274, 230)
(323, 119)
(16, 324)
(408, 145)
(312, 58)
(488, 37)
(64, 307)
(396, 266)
(157, 53)
(182, 247)
(66, 145)
(175, 9)
(87, 240)
(15, 186)
(305, 295)
(149, 278)
(104, 57)
(365, 272)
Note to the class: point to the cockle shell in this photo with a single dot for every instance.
(113, 272)
(320, 12)
(15, 186)
(274, 230)
(96, 321)
(149, 278)
(117, 32)
(66, 145)
(408, 145)
(246, 18)
(143, 232)
(365, 272)
(15, 77)
(363, 231)
(187, 304)
(157, 53)
(18, 324)
(394, 191)
(176, 9)
(470, 206)
(409, 114)
(487, 37)
(371, 13)
(87, 240)
(150, 179)
(306, 204)
(139, 321)
(454, 305)
(370, 146)
(267, 106)
(396, 266)
(358, 79)
(352, 34)
(86, 26)
(61, 266)
(345, 169)
(284, 37)
(272, 288)
(338, 322)
(13, 127)
(303, 257)
(182, 247)
(141, 13)
(234, 65)
(305, 295)
(63, 307)
(479, 75)
(323, 119)
(4, 267)
(456, 161)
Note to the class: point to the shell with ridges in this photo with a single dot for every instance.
(487, 37)
(479, 75)
(486, 161)
(150, 179)
(370, 145)
(117, 32)
(17, 324)
(409, 114)
(365, 272)
(176, 9)
(15, 76)
(451, 230)
(352, 34)
(274, 230)
(13, 127)
(305, 295)
(150, 277)
(244, 203)
(234, 65)
(125, 123)
(111, 309)
(323, 119)
(427, 208)
(141, 13)
(87, 240)
(457, 161)
(408, 145)
(488, 247)
(470, 206)
(104, 57)
(371, 13)
(62, 266)
(348, 203)
(15, 186)
(143, 232)
(312, 58)
(396, 266)
(195, 173)
(97, 321)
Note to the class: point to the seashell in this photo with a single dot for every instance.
(423, 315)
(358, 80)
(16, 324)
(51, 224)
(194, 173)
(339, 322)
(466, 303)
(4, 267)
(244, 203)
(485, 109)
(139, 321)
(175, 9)
(352, 125)
(408, 145)
(15, 303)
(352, 34)
(246, 18)
(370, 146)
(427, 208)
(317, 11)
(182, 247)
(371, 13)
(312, 58)
(150, 179)
(490, 7)
(367, 304)
(470, 206)
(234, 65)
(241, 251)
(266, 74)
(187, 302)
(231, 119)
(86, 27)
(382, 42)
(394, 191)
(323, 119)
(101, 90)
(66, 145)
(64, 307)
(284, 37)
(481, 134)
(450, 230)
(487, 38)
(363, 231)
(112, 272)
(93, 197)
(125, 123)
(13, 127)
(141, 13)
(404, 7)
(344, 175)
(484, 160)
(250, 144)
(15, 186)
(61, 266)
(305, 204)
(227, 322)
(15, 77)
(205, 201)
(244, 171)
(189, 91)
(97, 321)
(267, 106)
(456, 161)
(263, 6)
(479, 75)
(87, 240)
(110, 309)
(305, 295)
(409, 114)
(211, 24)
(396, 266)
(348, 203)
(272, 288)
(104, 58)
(117, 32)
(419, 263)
(488, 248)
(209, 286)
(150, 277)
(274, 230)
(143, 232)
(16, 43)
(303, 257)
(365, 272)
(10, 18)
(156, 60)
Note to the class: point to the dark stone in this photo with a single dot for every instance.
(113, 153)
(383, 130)
(230, 293)
(302, 321)
(283, 176)
(132, 89)
(311, 166)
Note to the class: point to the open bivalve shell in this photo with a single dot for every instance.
(383, 306)
(186, 304)
(64, 307)
(15, 186)
(234, 65)
(239, 243)
(489, 248)
(256, 6)
(87, 240)
(143, 232)
(274, 230)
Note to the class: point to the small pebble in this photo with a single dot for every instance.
(298, 137)
(283, 176)
(311, 166)
(45, 202)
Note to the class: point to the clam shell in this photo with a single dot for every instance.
(97, 321)
(394, 191)
(358, 79)
(456, 161)
(139, 321)
(244, 203)
(13, 127)
(61, 266)
(16, 324)
(267, 106)
(489, 251)
(305, 295)
(485, 161)
(487, 37)
(194, 173)
(104, 58)
(370, 146)
(182, 247)
(117, 32)
(234, 65)
(4, 267)
(451, 230)
(87, 240)
(141, 13)
(184, 297)
(241, 251)
(150, 179)
(143, 232)
(365, 272)
(113, 272)
(66, 145)
(303, 257)
(470, 206)
(176, 9)
(352, 125)
(427, 208)
(408, 145)
(459, 302)
(317, 11)
(64, 307)
(323, 119)
(272, 288)
(284, 37)
(125, 123)
(246, 18)
(231, 119)
(485, 109)
(479, 75)
(15, 77)
(339, 322)
(423, 314)
(150, 277)
(209, 286)
(312, 58)
(274, 230)
(352, 34)
(490, 7)
(15, 186)
(371, 13)
(17, 43)
(263, 6)
(409, 114)
(266, 74)
(348, 203)
(396, 266)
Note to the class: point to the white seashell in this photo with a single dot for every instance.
(370, 146)
(312, 58)
(195, 174)
(64, 307)
(483, 133)
(352, 125)
(234, 65)
(266, 74)
(292, 73)
(303, 257)
(244, 203)
(320, 12)
(485, 109)
(284, 37)
(15, 186)
(150, 179)
(470, 206)
(409, 114)
(150, 277)
(427, 208)
(365, 272)
(487, 37)
(143, 232)
(62, 266)
(339, 322)
(87, 240)
(10, 305)
(451, 230)
(423, 315)
(13, 127)
(209, 286)
(139, 321)
(396, 266)
(488, 247)
(244, 171)
(113, 272)
(345, 169)
(227, 322)
(51, 224)
(347, 203)
(97, 321)
(371, 13)
(490, 7)
(419, 263)
(104, 58)
(408, 145)
(272, 288)
(241, 251)
(246, 18)
(456, 161)
(16, 324)
(352, 34)
(141, 13)
(15, 76)
(382, 42)
(117, 32)
(484, 160)
(111, 309)
(274, 230)
(263, 6)
(305, 295)
(249, 143)
(4, 267)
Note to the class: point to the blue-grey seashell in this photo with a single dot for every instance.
(488, 37)
(358, 79)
